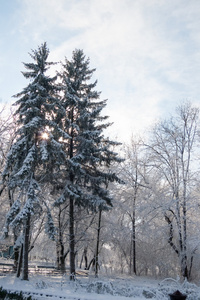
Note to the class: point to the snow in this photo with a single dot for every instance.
(89, 288)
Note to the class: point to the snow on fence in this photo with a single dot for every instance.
(8, 268)
(5, 268)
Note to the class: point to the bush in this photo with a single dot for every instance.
(4, 294)
(100, 287)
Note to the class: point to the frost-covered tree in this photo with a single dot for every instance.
(135, 174)
(88, 151)
(173, 152)
(36, 155)
(7, 135)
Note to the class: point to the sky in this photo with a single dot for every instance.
(146, 52)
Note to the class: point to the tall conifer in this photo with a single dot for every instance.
(89, 153)
(37, 153)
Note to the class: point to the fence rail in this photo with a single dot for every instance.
(8, 268)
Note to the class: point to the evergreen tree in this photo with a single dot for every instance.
(89, 153)
(37, 154)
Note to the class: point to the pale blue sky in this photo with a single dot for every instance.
(146, 52)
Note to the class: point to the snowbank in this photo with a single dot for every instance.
(137, 288)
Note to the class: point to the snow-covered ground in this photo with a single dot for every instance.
(103, 288)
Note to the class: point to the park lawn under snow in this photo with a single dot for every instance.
(103, 288)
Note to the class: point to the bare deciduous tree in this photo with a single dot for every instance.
(172, 153)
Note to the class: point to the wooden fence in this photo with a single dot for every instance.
(7, 268)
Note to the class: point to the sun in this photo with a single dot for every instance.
(44, 136)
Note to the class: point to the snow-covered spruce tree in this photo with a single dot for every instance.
(89, 153)
(34, 158)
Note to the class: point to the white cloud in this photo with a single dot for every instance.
(147, 53)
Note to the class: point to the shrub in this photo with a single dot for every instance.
(4, 294)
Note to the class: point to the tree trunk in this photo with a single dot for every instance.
(16, 234)
(71, 206)
(16, 259)
(60, 247)
(60, 257)
(71, 239)
(16, 253)
(84, 256)
(91, 263)
(133, 239)
(185, 263)
(26, 248)
(96, 261)
(19, 265)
